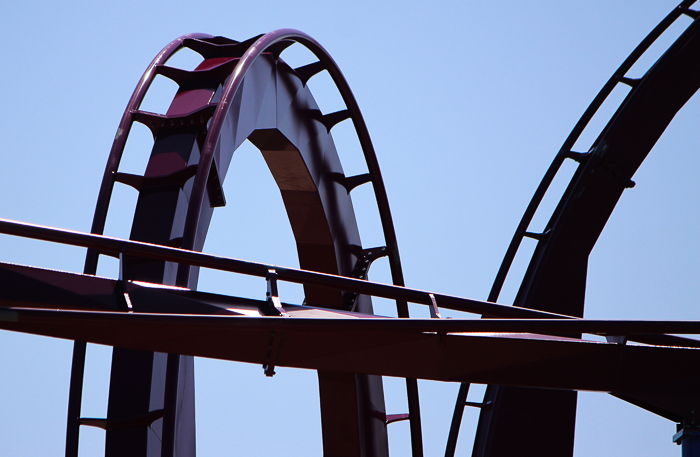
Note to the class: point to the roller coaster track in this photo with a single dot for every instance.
(519, 419)
(244, 90)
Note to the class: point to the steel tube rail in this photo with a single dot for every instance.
(98, 225)
(115, 154)
(529, 295)
(116, 246)
(231, 89)
(571, 140)
(518, 328)
(207, 158)
(129, 248)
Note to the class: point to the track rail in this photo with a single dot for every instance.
(209, 130)
(570, 234)
(280, 39)
(98, 226)
(566, 152)
(135, 249)
(206, 140)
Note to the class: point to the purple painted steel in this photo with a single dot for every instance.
(331, 344)
(263, 115)
(565, 150)
(152, 251)
(99, 218)
(197, 221)
(197, 218)
(391, 418)
(36, 288)
(142, 382)
(556, 276)
(207, 160)
(137, 249)
(115, 154)
(230, 91)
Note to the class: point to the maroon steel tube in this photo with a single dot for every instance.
(200, 183)
(115, 154)
(114, 246)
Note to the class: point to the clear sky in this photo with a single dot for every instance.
(467, 103)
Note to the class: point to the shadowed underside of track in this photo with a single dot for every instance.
(522, 421)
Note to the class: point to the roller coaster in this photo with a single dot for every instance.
(532, 355)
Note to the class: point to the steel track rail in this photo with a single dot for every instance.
(98, 225)
(105, 193)
(191, 238)
(618, 77)
(573, 238)
(135, 249)
(207, 159)
(566, 149)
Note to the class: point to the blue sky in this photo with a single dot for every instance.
(467, 103)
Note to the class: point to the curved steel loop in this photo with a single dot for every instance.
(207, 157)
(230, 90)
(571, 140)
(98, 224)
(115, 154)
(561, 155)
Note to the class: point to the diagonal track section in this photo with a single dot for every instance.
(556, 277)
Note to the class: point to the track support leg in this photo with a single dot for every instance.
(689, 440)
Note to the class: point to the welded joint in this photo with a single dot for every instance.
(538, 236)
(391, 418)
(616, 339)
(273, 354)
(434, 310)
(473, 404)
(272, 305)
(146, 419)
(632, 82)
(120, 289)
(198, 79)
(690, 13)
(330, 120)
(306, 72)
(351, 182)
(580, 157)
(178, 178)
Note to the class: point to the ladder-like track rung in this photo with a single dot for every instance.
(158, 123)
(307, 72)
(210, 50)
(332, 119)
(144, 420)
(198, 79)
(177, 178)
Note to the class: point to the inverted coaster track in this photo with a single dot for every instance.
(244, 90)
